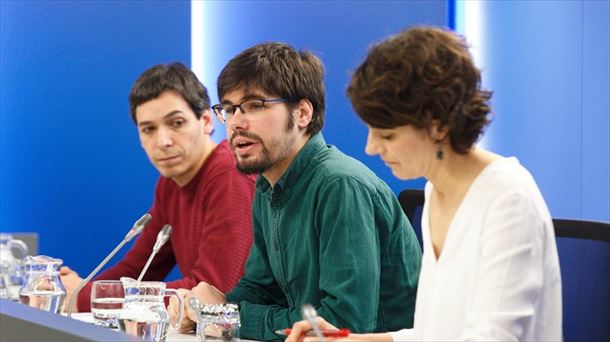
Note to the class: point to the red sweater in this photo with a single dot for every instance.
(211, 218)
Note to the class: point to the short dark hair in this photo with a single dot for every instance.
(162, 77)
(280, 70)
(419, 75)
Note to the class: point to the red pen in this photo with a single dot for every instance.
(325, 333)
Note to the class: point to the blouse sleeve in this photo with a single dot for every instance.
(510, 273)
(403, 335)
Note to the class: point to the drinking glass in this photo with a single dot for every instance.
(219, 322)
(107, 299)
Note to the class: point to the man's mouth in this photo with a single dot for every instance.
(243, 148)
(167, 159)
(243, 143)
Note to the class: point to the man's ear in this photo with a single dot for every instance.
(304, 113)
(208, 122)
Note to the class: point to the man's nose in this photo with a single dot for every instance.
(164, 138)
(237, 122)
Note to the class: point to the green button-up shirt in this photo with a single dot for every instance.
(332, 234)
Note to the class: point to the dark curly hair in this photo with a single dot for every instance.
(419, 75)
(162, 77)
(278, 69)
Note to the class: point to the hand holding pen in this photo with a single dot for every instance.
(303, 331)
(325, 333)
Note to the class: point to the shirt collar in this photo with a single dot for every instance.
(296, 168)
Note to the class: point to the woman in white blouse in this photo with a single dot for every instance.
(490, 269)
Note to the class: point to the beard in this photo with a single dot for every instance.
(266, 159)
(263, 163)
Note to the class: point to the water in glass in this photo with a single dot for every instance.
(107, 298)
(219, 322)
(106, 311)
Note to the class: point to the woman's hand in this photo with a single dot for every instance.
(300, 331)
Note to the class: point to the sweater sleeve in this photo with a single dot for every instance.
(227, 237)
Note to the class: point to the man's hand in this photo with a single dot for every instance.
(206, 293)
(71, 280)
(174, 311)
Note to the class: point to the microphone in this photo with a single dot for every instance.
(135, 230)
(162, 238)
(310, 314)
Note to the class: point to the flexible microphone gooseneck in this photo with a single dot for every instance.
(309, 313)
(162, 238)
(135, 230)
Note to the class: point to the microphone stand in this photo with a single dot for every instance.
(135, 230)
(161, 240)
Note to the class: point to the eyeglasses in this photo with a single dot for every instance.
(225, 112)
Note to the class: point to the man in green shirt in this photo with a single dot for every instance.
(327, 231)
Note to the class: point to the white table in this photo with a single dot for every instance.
(172, 335)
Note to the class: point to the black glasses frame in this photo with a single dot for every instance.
(221, 112)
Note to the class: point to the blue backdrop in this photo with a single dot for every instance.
(71, 165)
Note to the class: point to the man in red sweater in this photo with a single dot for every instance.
(200, 192)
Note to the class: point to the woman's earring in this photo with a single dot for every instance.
(439, 152)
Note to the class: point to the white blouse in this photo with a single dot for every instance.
(498, 274)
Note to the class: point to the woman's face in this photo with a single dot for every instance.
(408, 151)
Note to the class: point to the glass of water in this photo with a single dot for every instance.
(219, 322)
(107, 299)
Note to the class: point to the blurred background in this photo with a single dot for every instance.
(72, 170)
